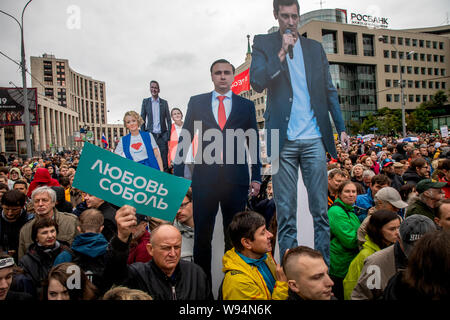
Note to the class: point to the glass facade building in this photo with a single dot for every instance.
(330, 15)
(357, 89)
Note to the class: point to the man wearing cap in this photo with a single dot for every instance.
(398, 169)
(7, 266)
(430, 193)
(396, 180)
(382, 265)
(386, 199)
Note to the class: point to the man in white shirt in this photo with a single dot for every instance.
(156, 115)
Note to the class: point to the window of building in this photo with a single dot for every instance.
(423, 70)
(428, 44)
(416, 56)
(441, 46)
(410, 83)
(429, 57)
(389, 97)
(417, 84)
(437, 85)
(386, 53)
(430, 71)
(407, 42)
(402, 70)
(424, 84)
(422, 57)
(444, 86)
(430, 84)
(442, 72)
(49, 93)
(416, 70)
(394, 54)
(396, 83)
(368, 46)
(409, 69)
(388, 83)
(417, 97)
(393, 40)
(408, 56)
(329, 41)
(400, 41)
(414, 42)
(442, 59)
(350, 43)
(424, 98)
(387, 68)
(396, 98)
(411, 98)
(394, 69)
(436, 58)
(401, 55)
(435, 44)
(421, 43)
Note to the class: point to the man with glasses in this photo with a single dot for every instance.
(156, 115)
(417, 171)
(13, 217)
(184, 222)
(430, 193)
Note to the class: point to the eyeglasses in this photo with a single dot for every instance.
(183, 205)
(12, 210)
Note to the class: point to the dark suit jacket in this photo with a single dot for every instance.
(164, 117)
(267, 72)
(242, 116)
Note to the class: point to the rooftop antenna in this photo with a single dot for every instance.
(321, 2)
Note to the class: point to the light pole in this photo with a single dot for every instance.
(26, 113)
(402, 97)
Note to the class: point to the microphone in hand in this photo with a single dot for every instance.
(290, 47)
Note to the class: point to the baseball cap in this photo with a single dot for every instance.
(387, 162)
(398, 165)
(412, 229)
(392, 196)
(425, 184)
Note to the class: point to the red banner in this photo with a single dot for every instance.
(241, 82)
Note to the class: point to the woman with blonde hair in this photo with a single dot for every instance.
(139, 146)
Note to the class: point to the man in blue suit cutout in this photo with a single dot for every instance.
(224, 181)
(300, 96)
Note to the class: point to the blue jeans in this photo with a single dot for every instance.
(310, 155)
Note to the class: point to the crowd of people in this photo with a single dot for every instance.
(380, 206)
(389, 207)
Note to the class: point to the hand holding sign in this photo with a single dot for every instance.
(126, 219)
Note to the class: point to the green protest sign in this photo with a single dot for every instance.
(121, 181)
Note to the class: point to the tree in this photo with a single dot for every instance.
(354, 127)
(422, 118)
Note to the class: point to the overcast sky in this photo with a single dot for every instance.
(128, 43)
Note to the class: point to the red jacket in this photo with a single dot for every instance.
(139, 253)
(41, 178)
(446, 188)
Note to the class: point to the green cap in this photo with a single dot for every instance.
(426, 184)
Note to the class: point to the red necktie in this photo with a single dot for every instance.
(222, 117)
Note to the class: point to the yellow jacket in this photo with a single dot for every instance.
(244, 282)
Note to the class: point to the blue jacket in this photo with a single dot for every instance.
(89, 244)
(267, 72)
(365, 202)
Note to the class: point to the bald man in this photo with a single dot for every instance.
(165, 277)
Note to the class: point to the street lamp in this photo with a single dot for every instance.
(382, 39)
(26, 113)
